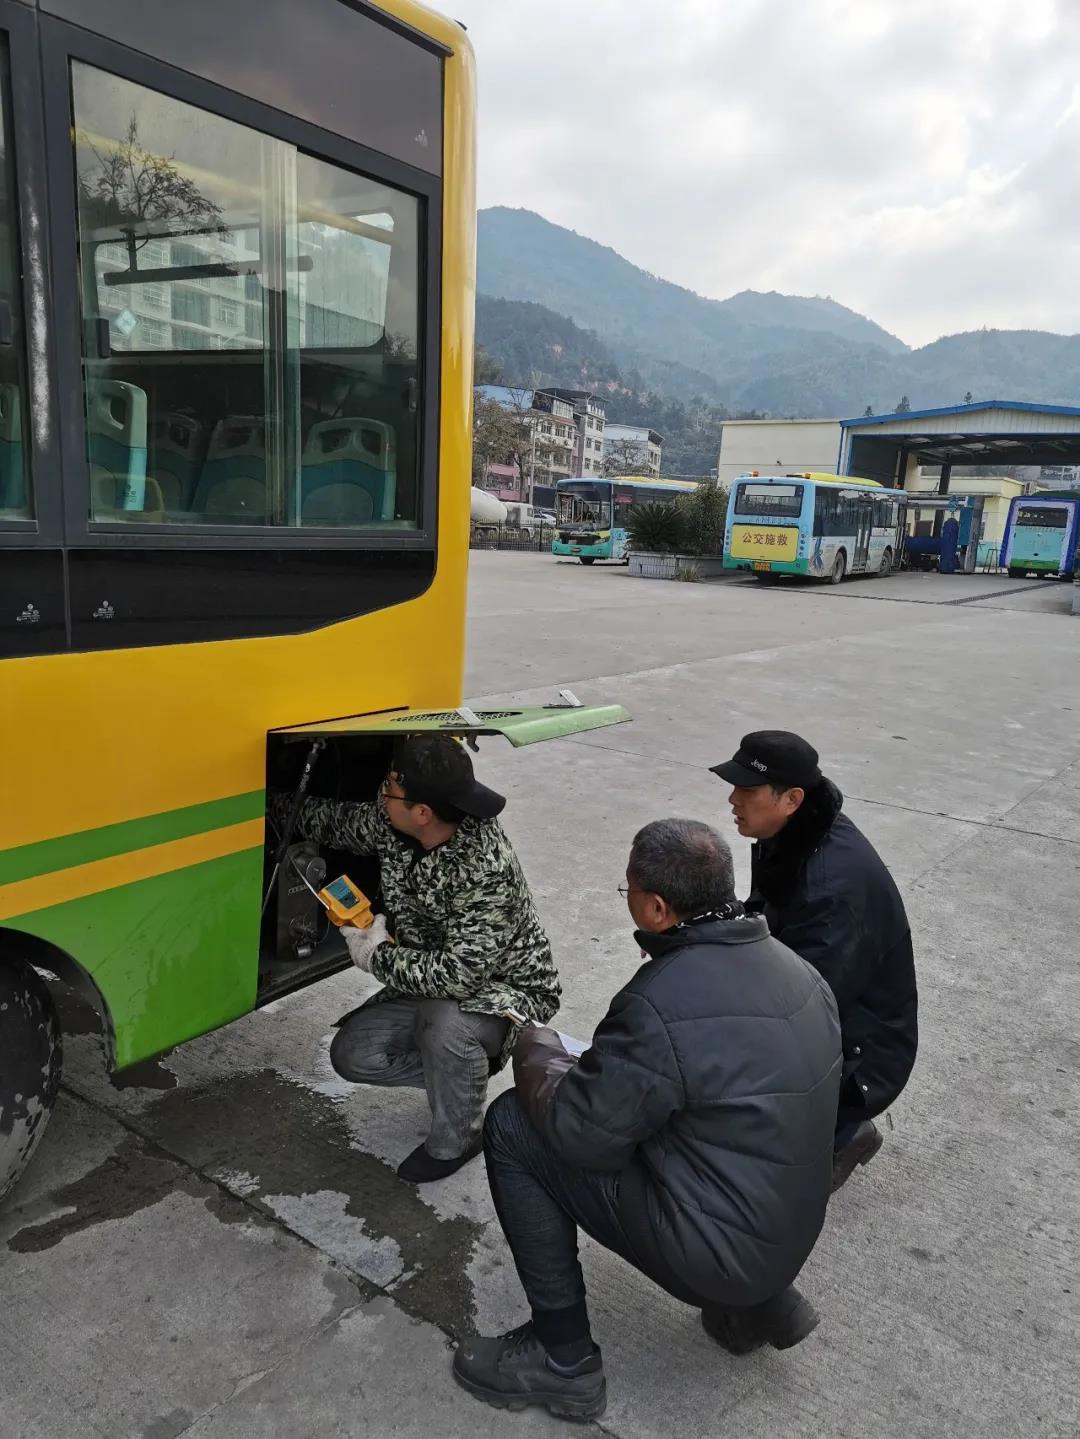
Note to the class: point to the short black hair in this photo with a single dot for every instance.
(425, 763)
(686, 863)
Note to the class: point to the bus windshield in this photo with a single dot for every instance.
(585, 504)
(770, 499)
(1045, 518)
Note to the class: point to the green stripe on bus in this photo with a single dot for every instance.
(50, 855)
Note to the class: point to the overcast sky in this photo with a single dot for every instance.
(917, 160)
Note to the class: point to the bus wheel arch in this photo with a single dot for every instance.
(31, 1061)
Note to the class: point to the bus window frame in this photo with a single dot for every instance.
(1061, 508)
(798, 485)
(61, 46)
(27, 159)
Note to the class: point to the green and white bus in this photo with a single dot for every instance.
(824, 526)
(1042, 535)
(591, 513)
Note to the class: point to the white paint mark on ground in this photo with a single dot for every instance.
(322, 1218)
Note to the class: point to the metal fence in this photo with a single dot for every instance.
(537, 538)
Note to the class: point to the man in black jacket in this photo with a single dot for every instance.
(827, 895)
(694, 1138)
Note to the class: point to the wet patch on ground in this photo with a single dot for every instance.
(291, 1146)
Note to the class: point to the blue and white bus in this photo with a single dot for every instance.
(591, 513)
(1042, 534)
(824, 526)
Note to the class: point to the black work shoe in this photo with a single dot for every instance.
(782, 1322)
(516, 1370)
(420, 1167)
(860, 1149)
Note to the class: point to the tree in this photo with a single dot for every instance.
(904, 406)
(486, 370)
(129, 188)
(623, 457)
(501, 436)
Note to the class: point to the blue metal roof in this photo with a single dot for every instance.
(1031, 408)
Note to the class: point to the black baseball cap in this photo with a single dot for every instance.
(771, 756)
(436, 769)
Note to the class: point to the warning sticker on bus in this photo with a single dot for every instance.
(764, 542)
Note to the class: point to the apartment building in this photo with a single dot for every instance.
(632, 449)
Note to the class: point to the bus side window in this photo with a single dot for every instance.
(251, 321)
(825, 512)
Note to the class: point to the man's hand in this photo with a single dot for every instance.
(540, 1063)
(362, 943)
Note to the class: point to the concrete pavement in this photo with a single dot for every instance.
(220, 1247)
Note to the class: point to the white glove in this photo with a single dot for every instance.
(363, 943)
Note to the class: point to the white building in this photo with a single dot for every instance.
(778, 447)
(631, 449)
(589, 416)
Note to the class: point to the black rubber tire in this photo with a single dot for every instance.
(31, 1059)
(839, 569)
(1015, 574)
(885, 568)
(587, 559)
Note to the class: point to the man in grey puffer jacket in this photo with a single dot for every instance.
(694, 1138)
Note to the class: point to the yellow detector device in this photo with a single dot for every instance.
(345, 904)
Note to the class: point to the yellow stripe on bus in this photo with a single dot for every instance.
(45, 890)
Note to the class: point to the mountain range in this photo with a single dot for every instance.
(556, 307)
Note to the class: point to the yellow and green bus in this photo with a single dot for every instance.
(236, 340)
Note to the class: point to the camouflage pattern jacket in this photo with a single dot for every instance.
(461, 914)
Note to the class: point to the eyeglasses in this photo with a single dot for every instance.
(626, 890)
(385, 793)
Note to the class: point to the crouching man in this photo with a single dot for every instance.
(694, 1138)
(467, 943)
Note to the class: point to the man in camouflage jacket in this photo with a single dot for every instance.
(467, 943)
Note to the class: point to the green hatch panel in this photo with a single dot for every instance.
(519, 726)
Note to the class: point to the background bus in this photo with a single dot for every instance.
(591, 514)
(233, 490)
(1042, 534)
(825, 526)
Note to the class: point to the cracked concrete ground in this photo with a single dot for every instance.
(219, 1247)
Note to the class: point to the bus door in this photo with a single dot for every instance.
(864, 524)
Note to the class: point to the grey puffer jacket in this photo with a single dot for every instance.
(711, 1087)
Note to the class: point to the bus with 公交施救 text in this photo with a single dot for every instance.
(823, 526)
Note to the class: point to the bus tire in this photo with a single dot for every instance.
(885, 568)
(588, 559)
(1015, 574)
(839, 569)
(31, 1058)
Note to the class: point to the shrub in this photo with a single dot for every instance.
(704, 516)
(656, 529)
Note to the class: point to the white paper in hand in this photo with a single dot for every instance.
(574, 1047)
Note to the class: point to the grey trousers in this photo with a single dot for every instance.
(430, 1044)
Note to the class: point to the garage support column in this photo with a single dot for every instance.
(942, 489)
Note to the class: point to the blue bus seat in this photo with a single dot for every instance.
(116, 443)
(232, 486)
(175, 455)
(13, 494)
(352, 453)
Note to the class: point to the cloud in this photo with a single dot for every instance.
(917, 162)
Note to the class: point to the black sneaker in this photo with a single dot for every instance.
(860, 1149)
(782, 1322)
(516, 1370)
(420, 1167)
